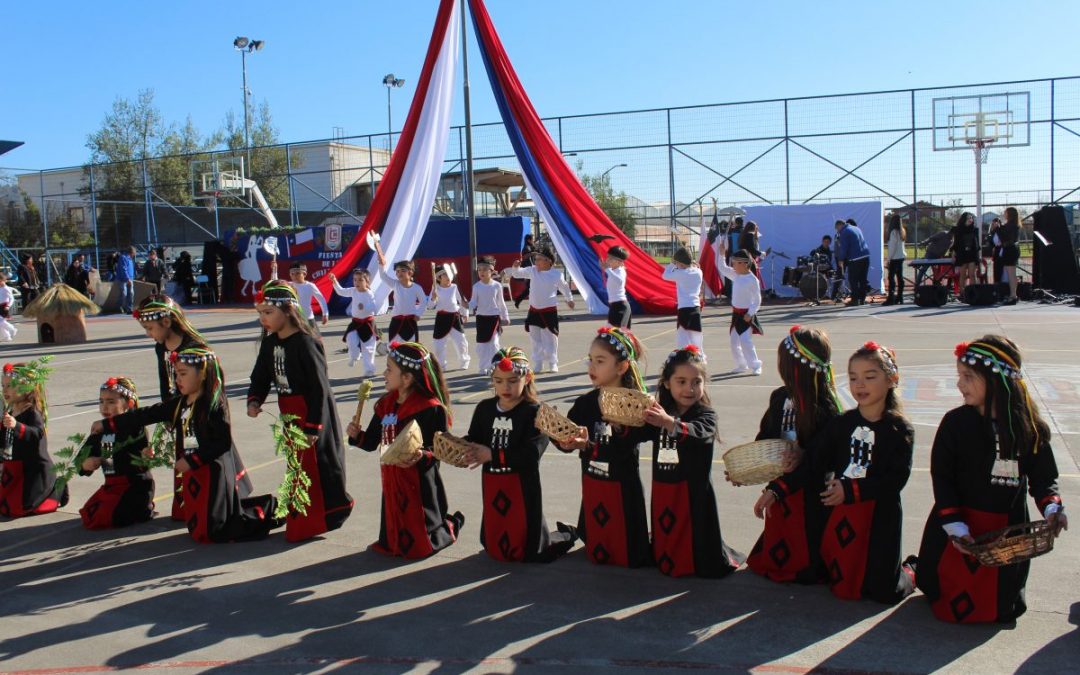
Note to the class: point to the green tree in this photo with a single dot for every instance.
(614, 204)
(129, 133)
(269, 161)
(171, 172)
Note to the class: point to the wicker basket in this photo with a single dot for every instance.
(756, 463)
(624, 406)
(451, 449)
(1013, 544)
(406, 445)
(554, 425)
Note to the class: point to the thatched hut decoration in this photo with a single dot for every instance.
(61, 315)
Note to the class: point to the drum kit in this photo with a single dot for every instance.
(811, 275)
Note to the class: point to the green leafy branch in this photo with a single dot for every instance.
(290, 441)
(71, 460)
(27, 378)
(162, 453)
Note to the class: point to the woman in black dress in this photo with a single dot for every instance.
(1009, 238)
(965, 249)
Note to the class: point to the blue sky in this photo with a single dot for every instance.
(65, 62)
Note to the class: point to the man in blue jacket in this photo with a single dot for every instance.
(854, 254)
(125, 276)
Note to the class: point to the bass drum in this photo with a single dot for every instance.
(792, 276)
(814, 286)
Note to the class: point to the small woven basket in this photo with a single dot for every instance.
(554, 425)
(451, 449)
(1013, 544)
(757, 462)
(624, 406)
(406, 445)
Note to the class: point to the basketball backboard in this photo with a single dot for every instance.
(1001, 119)
(219, 177)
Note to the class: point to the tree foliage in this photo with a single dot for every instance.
(613, 203)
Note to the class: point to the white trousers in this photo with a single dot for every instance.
(7, 330)
(545, 347)
(742, 350)
(461, 343)
(685, 337)
(358, 349)
(485, 351)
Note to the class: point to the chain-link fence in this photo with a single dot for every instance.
(656, 171)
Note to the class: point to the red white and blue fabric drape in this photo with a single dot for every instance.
(402, 205)
(569, 212)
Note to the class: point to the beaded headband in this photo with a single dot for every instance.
(195, 356)
(406, 360)
(114, 384)
(278, 300)
(621, 340)
(404, 265)
(513, 360)
(891, 369)
(975, 353)
(804, 355)
(693, 349)
(153, 311)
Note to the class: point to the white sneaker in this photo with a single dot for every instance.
(756, 371)
(352, 362)
(554, 368)
(465, 364)
(739, 370)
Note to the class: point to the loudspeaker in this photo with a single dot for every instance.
(980, 295)
(1023, 290)
(931, 295)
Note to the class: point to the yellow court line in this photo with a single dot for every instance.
(249, 470)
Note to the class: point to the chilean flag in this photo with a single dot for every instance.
(707, 256)
(301, 243)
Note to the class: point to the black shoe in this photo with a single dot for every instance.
(888, 302)
(454, 523)
(517, 303)
(568, 530)
(1010, 301)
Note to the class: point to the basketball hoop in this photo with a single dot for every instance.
(210, 200)
(981, 148)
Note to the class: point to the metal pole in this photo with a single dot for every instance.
(147, 197)
(93, 218)
(247, 134)
(469, 196)
(978, 188)
(294, 220)
(671, 182)
(1053, 199)
(45, 227)
(914, 177)
(389, 123)
(787, 155)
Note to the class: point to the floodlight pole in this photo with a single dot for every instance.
(247, 115)
(467, 175)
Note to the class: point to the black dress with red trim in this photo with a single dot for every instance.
(403, 327)
(962, 464)
(788, 548)
(365, 328)
(445, 322)
(860, 543)
(546, 318)
(295, 367)
(127, 497)
(415, 521)
(487, 326)
(27, 480)
(689, 318)
(613, 523)
(686, 538)
(217, 501)
(167, 387)
(513, 527)
(740, 324)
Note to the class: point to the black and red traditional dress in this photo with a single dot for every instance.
(686, 537)
(217, 502)
(415, 520)
(788, 548)
(127, 497)
(27, 480)
(976, 486)
(513, 527)
(167, 387)
(296, 368)
(613, 523)
(860, 544)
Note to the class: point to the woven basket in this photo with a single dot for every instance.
(554, 425)
(406, 445)
(624, 406)
(451, 449)
(756, 463)
(1013, 544)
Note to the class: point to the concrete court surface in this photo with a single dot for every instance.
(147, 597)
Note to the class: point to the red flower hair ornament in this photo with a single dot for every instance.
(961, 348)
(111, 382)
(506, 364)
(9, 368)
(259, 297)
(872, 346)
(693, 349)
(793, 329)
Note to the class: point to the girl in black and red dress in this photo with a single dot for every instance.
(788, 547)
(507, 444)
(166, 324)
(613, 522)
(685, 527)
(127, 497)
(986, 454)
(416, 520)
(291, 360)
(27, 482)
(217, 501)
(866, 456)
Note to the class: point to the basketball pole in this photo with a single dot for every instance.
(467, 173)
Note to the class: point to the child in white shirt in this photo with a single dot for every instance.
(408, 299)
(362, 335)
(449, 323)
(7, 301)
(687, 277)
(307, 291)
(745, 303)
(489, 307)
(614, 267)
(542, 322)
